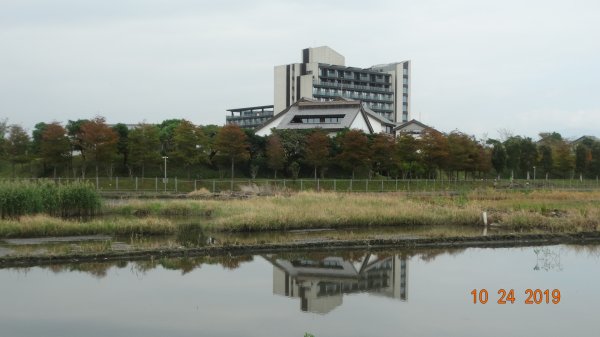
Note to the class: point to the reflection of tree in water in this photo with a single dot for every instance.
(96, 269)
(591, 250)
(547, 259)
(185, 264)
(229, 261)
(428, 255)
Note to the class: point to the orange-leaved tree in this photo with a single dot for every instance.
(98, 143)
(318, 147)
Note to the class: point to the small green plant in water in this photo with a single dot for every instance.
(306, 334)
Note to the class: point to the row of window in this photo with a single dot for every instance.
(250, 121)
(353, 75)
(351, 94)
(326, 119)
(384, 106)
(354, 85)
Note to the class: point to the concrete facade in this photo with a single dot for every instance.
(323, 75)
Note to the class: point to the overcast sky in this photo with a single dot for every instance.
(477, 66)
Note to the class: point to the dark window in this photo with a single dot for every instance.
(323, 119)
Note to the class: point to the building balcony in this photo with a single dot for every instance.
(352, 78)
(356, 97)
(322, 84)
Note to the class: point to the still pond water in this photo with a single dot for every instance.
(388, 293)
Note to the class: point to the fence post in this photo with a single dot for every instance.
(366, 185)
(175, 184)
(195, 185)
(351, 185)
(283, 183)
(334, 186)
(136, 183)
(301, 185)
(382, 185)
(213, 186)
(318, 186)
(156, 183)
(97, 183)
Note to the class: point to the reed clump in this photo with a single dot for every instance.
(19, 198)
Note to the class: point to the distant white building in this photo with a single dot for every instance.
(331, 116)
(323, 75)
(412, 127)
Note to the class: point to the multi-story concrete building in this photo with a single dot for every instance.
(323, 75)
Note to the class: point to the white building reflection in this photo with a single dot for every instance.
(321, 283)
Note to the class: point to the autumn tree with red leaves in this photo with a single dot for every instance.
(55, 148)
(318, 147)
(98, 143)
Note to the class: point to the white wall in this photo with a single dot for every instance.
(280, 89)
(325, 54)
(359, 123)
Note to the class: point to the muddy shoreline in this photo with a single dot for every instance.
(498, 241)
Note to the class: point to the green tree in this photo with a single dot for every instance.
(123, 142)
(521, 154)
(583, 158)
(382, 153)
(167, 129)
(231, 143)
(3, 131)
(354, 150)
(74, 133)
(144, 146)
(407, 155)
(188, 143)
(17, 146)
(36, 141)
(563, 160)
(546, 162)
(317, 151)
(529, 155)
(498, 156)
(293, 142)
(55, 148)
(595, 161)
(275, 154)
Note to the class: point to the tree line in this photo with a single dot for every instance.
(90, 146)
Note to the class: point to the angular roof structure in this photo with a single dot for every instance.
(331, 116)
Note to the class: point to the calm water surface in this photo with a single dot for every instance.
(392, 293)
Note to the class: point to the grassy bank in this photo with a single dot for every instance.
(42, 225)
(544, 210)
(547, 211)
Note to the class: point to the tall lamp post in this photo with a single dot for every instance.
(165, 178)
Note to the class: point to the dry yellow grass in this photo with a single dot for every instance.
(42, 225)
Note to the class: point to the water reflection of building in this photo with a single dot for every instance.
(321, 283)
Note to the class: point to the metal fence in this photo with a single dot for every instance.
(175, 185)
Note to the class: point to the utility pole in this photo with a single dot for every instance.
(165, 178)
